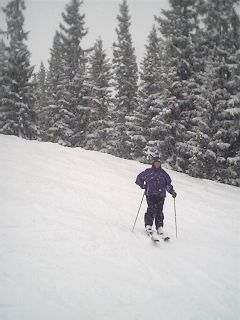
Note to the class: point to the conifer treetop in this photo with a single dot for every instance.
(15, 20)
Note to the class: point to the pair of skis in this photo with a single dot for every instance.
(156, 238)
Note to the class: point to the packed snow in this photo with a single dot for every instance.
(67, 251)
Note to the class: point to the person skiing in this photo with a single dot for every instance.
(155, 181)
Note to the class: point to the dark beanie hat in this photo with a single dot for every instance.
(155, 159)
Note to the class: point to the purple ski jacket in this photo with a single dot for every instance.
(155, 182)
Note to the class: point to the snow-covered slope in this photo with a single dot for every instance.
(67, 250)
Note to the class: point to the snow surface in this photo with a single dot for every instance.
(67, 250)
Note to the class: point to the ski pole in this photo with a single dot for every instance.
(174, 201)
(138, 213)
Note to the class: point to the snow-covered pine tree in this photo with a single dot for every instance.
(55, 69)
(202, 163)
(126, 77)
(41, 97)
(82, 85)
(178, 27)
(74, 89)
(232, 113)
(99, 129)
(17, 106)
(4, 88)
(222, 35)
(153, 89)
(51, 114)
(41, 83)
(149, 94)
(69, 102)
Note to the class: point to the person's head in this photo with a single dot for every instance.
(156, 163)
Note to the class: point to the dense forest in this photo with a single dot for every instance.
(182, 102)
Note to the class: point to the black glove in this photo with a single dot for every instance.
(174, 194)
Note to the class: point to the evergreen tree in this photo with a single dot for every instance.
(203, 160)
(66, 80)
(232, 114)
(150, 89)
(222, 38)
(41, 81)
(179, 27)
(98, 134)
(17, 114)
(51, 114)
(55, 69)
(4, 86)
(125, 71)
(74, 108)
(153, 89)
(41, 98)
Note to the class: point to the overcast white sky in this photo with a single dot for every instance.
(42, 18)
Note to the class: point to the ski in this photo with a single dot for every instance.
(157, 237)
(164, 237)
(153, 236)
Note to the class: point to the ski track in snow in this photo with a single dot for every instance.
(67, 251)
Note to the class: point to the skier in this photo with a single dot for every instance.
(155, 181)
